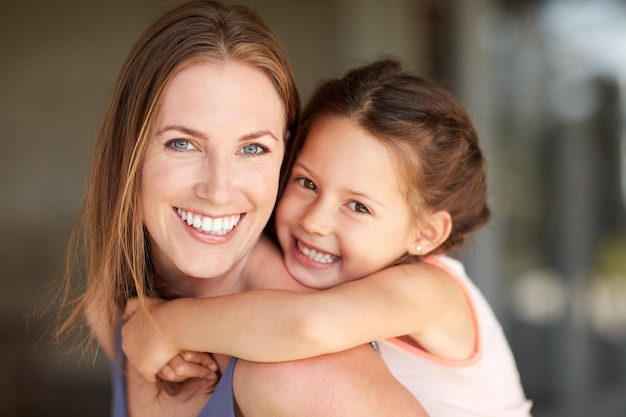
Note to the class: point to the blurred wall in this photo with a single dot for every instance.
(58, 61)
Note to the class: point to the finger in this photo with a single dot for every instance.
(201, 358)
(167, 374)
(190, 371)
(182, 370)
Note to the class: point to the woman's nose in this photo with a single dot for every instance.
(216, 180)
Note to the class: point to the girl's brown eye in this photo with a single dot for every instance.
(307, 183)
(358, 207)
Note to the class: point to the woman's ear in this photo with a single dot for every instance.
(431, 233)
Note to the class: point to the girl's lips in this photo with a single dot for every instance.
(313, 255)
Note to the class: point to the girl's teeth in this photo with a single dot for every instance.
(324, 258)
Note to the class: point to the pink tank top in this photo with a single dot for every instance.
(485, 384)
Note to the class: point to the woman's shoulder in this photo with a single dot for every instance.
(266, 269)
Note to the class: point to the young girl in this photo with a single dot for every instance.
(389, 177)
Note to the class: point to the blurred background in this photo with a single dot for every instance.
(544, 80)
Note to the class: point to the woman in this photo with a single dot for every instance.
(184, 178)
(372, 230)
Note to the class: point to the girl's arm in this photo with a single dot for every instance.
(419, 300)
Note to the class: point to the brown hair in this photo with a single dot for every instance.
(108, 238)
(427, 130)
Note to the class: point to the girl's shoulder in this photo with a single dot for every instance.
(450, 266)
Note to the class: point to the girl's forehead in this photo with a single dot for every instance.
(338, 148)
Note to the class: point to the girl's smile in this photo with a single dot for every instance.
(343, 214)
(316, 256)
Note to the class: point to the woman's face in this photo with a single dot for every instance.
(211, 170)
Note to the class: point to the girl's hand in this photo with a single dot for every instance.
(146, 348)
(188, 365)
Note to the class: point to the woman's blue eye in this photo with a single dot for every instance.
(181, 144)
(253, 148)
(358, 207)
(307, 183)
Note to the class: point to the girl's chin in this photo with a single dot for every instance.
(309, 280)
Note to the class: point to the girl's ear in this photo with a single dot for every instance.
(431, 233)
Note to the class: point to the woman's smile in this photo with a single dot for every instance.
(210, 225)
(210, 177)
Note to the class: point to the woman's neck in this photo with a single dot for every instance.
(174, 284)
(191, 287)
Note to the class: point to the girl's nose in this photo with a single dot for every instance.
(317, 219)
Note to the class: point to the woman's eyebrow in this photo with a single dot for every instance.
(258, 134)
(182, 129)
(197, 133)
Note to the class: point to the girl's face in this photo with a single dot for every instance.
(211, 170)
(343, 215)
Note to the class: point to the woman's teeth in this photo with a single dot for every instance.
(324, 258)
(216, 226)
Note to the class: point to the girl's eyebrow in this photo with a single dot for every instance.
(297, 163)
(198, 134)
(355, 194)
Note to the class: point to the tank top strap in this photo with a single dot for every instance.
(222, 401)
(118, 379)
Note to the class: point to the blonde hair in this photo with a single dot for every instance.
(108, 242)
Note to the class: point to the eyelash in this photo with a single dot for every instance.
(173, 144)
(263, 149)
(355, 204)
(303, 183)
